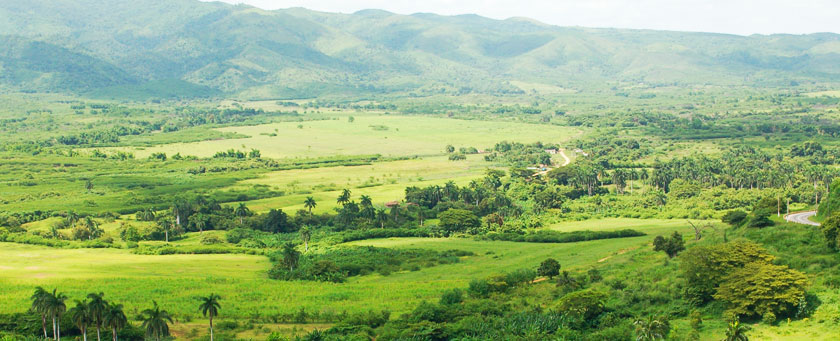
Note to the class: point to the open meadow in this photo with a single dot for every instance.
(388, 135)
(382, 181)
(198, 170)
(175, 281)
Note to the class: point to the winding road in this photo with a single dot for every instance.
(566, 159)
(802, 218)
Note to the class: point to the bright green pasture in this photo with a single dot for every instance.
(58, 183)
(382, 181)
(649, 226)
(175, 280)
(389, 135)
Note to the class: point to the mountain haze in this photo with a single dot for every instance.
(87, 46)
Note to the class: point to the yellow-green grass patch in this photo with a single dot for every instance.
(382, 181)
(388, 135)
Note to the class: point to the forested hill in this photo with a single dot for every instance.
(114, 46)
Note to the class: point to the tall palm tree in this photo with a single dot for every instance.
(242, 211)
(39, 305)
(72, 217)
(147, 215)
(395, 211)
(81, 317)
(652, 328)
(309, 204)
(381, 217)
(93, 228)
(291, 256)
(166, 224)
(156, 322)
(305, 235)
(98, 307)
(200, 222)
(344, 197)
(365, 201)
(736, 332)
(176, 212)
(115, 319)
(210, 307)
(56, 308)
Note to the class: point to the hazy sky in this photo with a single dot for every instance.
(727, 16)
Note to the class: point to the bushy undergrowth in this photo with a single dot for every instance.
(31, 239)
(337, 264)
(548, 236)
(193, 250)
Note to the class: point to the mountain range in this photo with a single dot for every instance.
(189, 48)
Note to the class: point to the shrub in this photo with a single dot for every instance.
(734, 218)
(671, 246)
(450, 297)
(236, 235)
(480, 288)
(585, 304)
(520, 276)
(704, 268)
(763, 289)
(831, 231)
(549, 268)
(210, 240)
(458, 220)
(759, 221)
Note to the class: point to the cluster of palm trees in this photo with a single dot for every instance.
(96, 312)
(83, 228)
(744, 167)
(364, 209)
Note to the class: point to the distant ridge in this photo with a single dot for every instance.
(242, 50)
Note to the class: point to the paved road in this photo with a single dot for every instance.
(802, 218)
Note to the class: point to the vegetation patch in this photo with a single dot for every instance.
(335, 265)
(548, 236)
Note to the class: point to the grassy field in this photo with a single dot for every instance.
(383, 182)
(368, 134)
(174, 281)
(649, 226)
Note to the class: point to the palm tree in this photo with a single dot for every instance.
(395, 211)
(146, 215)
(39, 305)
(176, 212)
(309, 204)
(81, 317)
(305, 235)
(93, 228)
(365, 201)
(242, 211)
(56, 307)
(381, 217)
(115, 319)
(344, 197)
(166, 224)
(290, 255)
(98, 307)
(652, 328)
(736, 332)
(156, 322)
(210, 307)
(200, 222)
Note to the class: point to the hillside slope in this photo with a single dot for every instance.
(301, 53)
